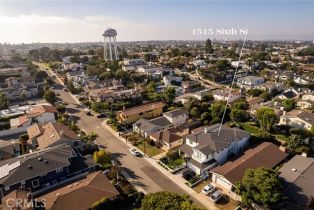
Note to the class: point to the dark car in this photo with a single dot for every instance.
(102, 115)
(89, 114)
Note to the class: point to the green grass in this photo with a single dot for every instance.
(173, 164)
(149, 150)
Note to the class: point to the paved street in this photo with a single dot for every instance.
(142, 174)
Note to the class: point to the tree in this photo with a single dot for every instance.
(102, 158)
(266, 96)
(195, 112)
(89, 137)
(254, 92)
(217, 109)
(266, 118)
(50, 96)
(295, 141)
(261, 186)
(288, 104)
(4, 102)
(238, 115)
(41, 75)
(208, 46)
(167, 201)
(169, 95)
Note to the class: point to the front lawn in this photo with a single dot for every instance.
(172, 160)
(150, 151)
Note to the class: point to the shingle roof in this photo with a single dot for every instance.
(298, 179)
(209, 141)
(175, 113)
(143, 108)
(51, 159)
(265, 155)
(84, 192)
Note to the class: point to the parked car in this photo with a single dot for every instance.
(106, 171)
(135, 152)
(89, 113)
(101, 115)
(216, 196)
(208, 189)
(65, 89)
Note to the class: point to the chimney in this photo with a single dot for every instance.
(61, 133)
(284, 113)
(123, 108)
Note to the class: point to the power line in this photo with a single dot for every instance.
(231, 86)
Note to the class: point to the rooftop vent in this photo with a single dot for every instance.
(30, 166)
(293, 169)
(46, 161)
(40, 159)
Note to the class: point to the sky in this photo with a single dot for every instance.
(28, 21)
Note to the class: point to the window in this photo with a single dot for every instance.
(22, 182)
(7, 188)
(35, 183)
(59, 170)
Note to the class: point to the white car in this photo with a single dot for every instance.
(135, 152)
(208, 189)
(216, 196)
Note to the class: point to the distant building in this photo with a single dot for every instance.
(226, 95)
(250, 82)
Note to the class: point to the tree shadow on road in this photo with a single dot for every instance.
(130, 174)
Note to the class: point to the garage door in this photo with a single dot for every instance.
(223, 183)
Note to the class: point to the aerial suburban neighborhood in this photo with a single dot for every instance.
(222, 120)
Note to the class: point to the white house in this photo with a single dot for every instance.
(169, 79)
(298, 119)
(205, 148)
(306, 102)
(225, 94)
(250, 82)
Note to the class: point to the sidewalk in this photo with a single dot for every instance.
(176, 178)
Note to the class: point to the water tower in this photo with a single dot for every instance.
(110, 45)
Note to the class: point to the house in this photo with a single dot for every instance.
(174, 136)
(110, 95)
(301, 80)
(298, 180)
(9, 149)
(286, 75)
(271, 87)
(132, 64)
(78, 78)
(92, 188)
(39, 114)
(297, 119)
(148, 70)
(265, 155)
(147, 111)
(203, 93)
(199, 63)
(169, 119)
(250, 82)
(191, 86)
(42, 170)
(227, 95)
(306, 102)
(289, 94)
(50, 134)
(21, 91)
(168, 80)
(206, 147)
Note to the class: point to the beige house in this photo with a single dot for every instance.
(298, 119)
(147, 111)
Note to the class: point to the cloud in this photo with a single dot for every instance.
(36, 28)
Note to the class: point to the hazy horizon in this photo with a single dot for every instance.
(67, 21)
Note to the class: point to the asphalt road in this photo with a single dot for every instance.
(141, 172)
